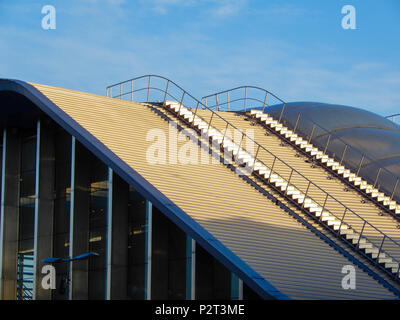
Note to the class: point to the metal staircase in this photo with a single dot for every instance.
(337, 164)
(276, 173)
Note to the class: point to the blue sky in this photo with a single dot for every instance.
(296, 49)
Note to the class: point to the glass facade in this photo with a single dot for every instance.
(213, 280)
(98, 228)
(153, 260)
(26, 219)
(249, 294)
(137, 232)
(168, 259)
(62, 204)
(1, 157)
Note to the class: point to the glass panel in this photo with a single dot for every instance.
(26, 218)
(168, 259)
(1, 170)
(62, 209)
(249, 294)
(213, 280)
(98, 228)
(136, 245)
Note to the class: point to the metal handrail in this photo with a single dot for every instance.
(392, 117)
(394, 193)
(266, 92)
(198, 104)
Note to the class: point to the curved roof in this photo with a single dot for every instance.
(365, 132)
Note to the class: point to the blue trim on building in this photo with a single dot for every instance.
(255, 281)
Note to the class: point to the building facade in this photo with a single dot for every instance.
(126, 200)
(59, 200)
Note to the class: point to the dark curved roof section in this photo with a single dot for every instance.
(366, 132)
(31, 101)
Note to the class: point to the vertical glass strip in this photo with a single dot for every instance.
(27, 203)
(98, 228)
(3, 176)
(36, 212)
(109, 233)
(62, 207)
(236, 288)
(190, 268)
(68, 284)
(148, 251)
(139, 222)
(169, 259)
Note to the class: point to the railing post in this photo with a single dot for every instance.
(166, 92)
(148, 89)
(312, 132)
(180, 105)
(359, 166)
(245, 98)
(240, 144)
(305, 195)
(288, 183)
(229, 107)
(195, 112)
(362, 230)
(265, 101)
(283, 109)
(120, 90)
(341, 221)
(380, 249)
(216, 101)
(377, 177)
(344, 152)
(132, 90)
(223, 138)
(394, 189)
(272, 169)
(209, 124)
(255, 158)
(327, 144)
(323, 207)
(297, 122)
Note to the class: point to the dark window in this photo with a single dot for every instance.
(168, 259)
(26, 217)
(249, 294)
(98, 228)
(213, 280)
(62, 208)
(137, 231)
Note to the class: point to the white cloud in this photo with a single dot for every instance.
(110, 2)
(163, 6)
(227, 8)
(220, 8)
